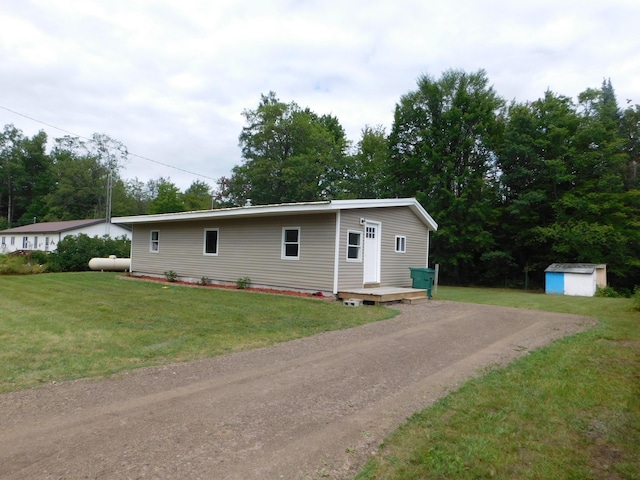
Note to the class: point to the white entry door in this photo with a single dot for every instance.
(371, 252)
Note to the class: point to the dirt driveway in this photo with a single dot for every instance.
(312, 408)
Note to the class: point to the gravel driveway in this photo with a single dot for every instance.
(307, 409)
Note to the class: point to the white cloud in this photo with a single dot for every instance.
(171, 78)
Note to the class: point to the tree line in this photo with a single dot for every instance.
(513, 185)
(80, 179)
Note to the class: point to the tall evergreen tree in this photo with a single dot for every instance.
(576, 195)
(534, 157)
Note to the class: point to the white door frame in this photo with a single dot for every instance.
(371, 254)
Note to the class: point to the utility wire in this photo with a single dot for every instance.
(91, 140)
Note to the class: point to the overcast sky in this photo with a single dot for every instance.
(171, 78)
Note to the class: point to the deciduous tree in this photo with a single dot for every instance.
(168, 198)
(442, 151)
(289, 154)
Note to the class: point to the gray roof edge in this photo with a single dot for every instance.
(574, 267)
(49, 227)
(284, 208)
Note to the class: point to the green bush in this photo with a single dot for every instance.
(608, 292)
(19, 265)
(171, 275)
(39, 257)
(73, 253)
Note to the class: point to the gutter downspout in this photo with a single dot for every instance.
(428, 242)
(336, 260)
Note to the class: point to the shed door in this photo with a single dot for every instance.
(554, 283)
(372, 252)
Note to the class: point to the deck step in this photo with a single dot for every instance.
(413, 301)
(381, 295)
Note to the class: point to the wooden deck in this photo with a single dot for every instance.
(380, 295)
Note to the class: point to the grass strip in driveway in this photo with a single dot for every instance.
(569, 410)
(63, 326)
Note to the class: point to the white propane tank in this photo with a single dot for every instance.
(111, 264)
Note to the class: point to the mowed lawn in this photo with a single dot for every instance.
(56, 327)
(568, 411)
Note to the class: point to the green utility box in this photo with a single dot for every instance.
(423, 278)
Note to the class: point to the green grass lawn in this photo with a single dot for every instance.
(568, 411)
(63, 326)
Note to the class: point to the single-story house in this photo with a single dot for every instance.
(323, 246)
(579, 279)
(46, 235)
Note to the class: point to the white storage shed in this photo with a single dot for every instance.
(579, 279)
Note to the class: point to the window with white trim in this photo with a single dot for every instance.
(25, 242)
(12, 241)
(154, 246)
(291, 243)
(354, 246)
(210, 241)
(401, 244)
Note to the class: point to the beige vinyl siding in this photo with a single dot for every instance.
(394, 267)
(351, 274)
(247, 247)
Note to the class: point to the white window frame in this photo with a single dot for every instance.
(155, 242)
(359, 246)
(12, 242)
(401, 244)
(25, 243)
(284, 255)
(204, 246)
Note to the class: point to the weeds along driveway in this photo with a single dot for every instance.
(310, 408)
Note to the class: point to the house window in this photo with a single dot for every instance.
(12, 241)
(354, 246)
(401, 244)
(46, 244)
(25, 242)
(4, 239)
(211, 241)
(155, 241)
(35, 243)
(291, 243)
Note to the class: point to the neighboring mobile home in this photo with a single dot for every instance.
(45, 236)
(317, 246)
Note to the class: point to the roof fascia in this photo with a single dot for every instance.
(284, 209)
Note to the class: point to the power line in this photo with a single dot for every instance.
(142, 157)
